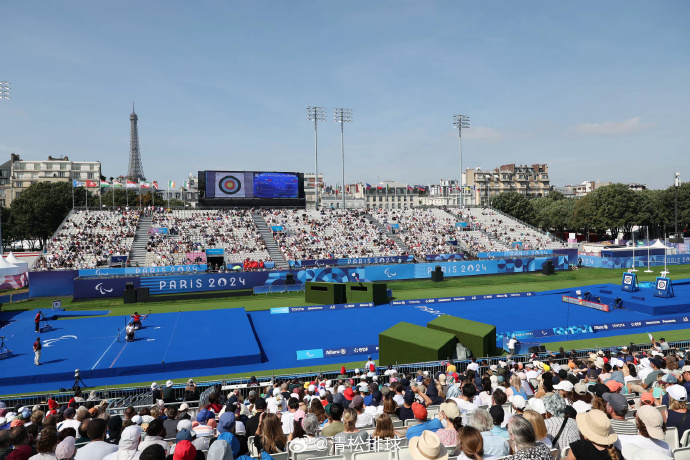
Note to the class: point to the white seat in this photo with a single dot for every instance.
(307, 454)
(381, 455)
(682, 454)
(672, 437)
(332, 457)
(280, 456)
(662, 410)
(411, 422)
(556, 454)
(404, 454)
(684, 440)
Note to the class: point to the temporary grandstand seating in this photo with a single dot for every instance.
(86, 239)
(494, 231)
(328, 234)
(194, 231)
(424, 231)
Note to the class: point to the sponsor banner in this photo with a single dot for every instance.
(463, 299)
(280, 310)
(158, 231)
(513, 254)
(444, 256)
(309, 354)
(353, 261)
(586, 303)
(9, 282)
(337, 352)
(143, 270)
(203, 282)
(342, 306)
(640, 261)
(584, 329)
(88, 288)
(214, 252)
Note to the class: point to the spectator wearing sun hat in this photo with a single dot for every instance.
(203, 428)
(598, 435)
(652, 432)
(427, 446)
(66, 449)
(677, 414)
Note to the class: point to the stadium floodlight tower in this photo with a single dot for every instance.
(343, 116)
(5, 90)
(316, 114)
(677, 184)
(460, 122)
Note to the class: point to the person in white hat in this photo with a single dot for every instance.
(652, 432)
(598, 435)
(427, 447)
(677, 414)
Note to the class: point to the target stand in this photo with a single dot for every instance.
(4, 351)
(663, 288)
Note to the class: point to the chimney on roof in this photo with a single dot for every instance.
(14, 157)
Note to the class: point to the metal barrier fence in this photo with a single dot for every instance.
(139, 397)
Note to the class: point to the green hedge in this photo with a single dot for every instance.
(367, 292)
(480, 338)
(409, 343)
(324, 293)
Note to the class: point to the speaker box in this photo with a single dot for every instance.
(129, 286)
(437, 275)
(142, 294)
(534, 349)
(289, 279)
(548, 268)
(542, 349)
(130, 295)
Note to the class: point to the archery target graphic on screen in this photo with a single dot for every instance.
(230, 185)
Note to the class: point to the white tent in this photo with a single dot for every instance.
(7, 269)
(12, 259)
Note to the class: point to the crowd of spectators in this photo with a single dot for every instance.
(606, 406)
(194, 231)
(87, 238)
(424, 231)
(504, 232)
(328, 234)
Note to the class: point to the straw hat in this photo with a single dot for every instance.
(427, 447)
(596, 426)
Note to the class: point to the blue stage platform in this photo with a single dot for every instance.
(216, 342)
(644, 300)
(184, 341)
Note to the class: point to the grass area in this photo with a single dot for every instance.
(474, 285)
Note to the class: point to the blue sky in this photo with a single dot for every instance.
(598, 90)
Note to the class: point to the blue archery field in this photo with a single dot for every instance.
(216, 342)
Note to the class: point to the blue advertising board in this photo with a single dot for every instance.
(337, 352)
(52, 283)
(311, 308)
(468, 298)
(640, 261)
(143, 270)
(441, 257)
(352, 261)
(89, 288)
(214, 252)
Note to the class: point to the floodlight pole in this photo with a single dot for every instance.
(677, 184)
(316, 114)
(343, 116)
(461, 121)
(5, 94)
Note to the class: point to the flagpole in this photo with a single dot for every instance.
(113, 194)
(168, 194)
(72, 194)
(127, 193)
(86, 194)
(100, 196)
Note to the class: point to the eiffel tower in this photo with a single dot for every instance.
(135, 169)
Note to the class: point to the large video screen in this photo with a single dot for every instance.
(252, 184)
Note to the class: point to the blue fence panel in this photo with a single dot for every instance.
(262, 289)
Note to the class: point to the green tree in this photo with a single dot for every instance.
(41, 208)
(514, 204)
(615, 208)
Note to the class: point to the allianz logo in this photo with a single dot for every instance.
(334, 352)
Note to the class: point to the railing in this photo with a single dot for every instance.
(120, 397)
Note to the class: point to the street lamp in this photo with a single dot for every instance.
(677, 183)
(461, 121)
(5, 90)
(342, 116)
(316, 114)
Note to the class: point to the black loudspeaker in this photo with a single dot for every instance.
(142, 294)
(129, 286)
(437, 275)
(130, 296)
(542, 349)
(534, 349)
(548, 268)
(289, 279)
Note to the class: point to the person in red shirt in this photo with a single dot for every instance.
(37, 321)
(136, 320)
(37, 351)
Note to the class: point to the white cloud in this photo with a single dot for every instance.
(612, 128)
(483, 133)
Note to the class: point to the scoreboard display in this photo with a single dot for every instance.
(251, 188)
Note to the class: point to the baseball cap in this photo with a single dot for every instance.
(518, 401)
(564, 385)
(537, 405)
(599, 389)
(169, 383)
(260, 403)
(677, 392)
(613, 385)
(357, 401)
(69, 412)
(184, 406)
(409, 397)
(647, 398)
(226, 422)
(185, 424)
(183, 435)
(653, 421)
(348, 393)
(450, 409)
(685, 368)
(419, 411)
(580, 388)
(385, 390)
(669, 378)
(617, 400)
